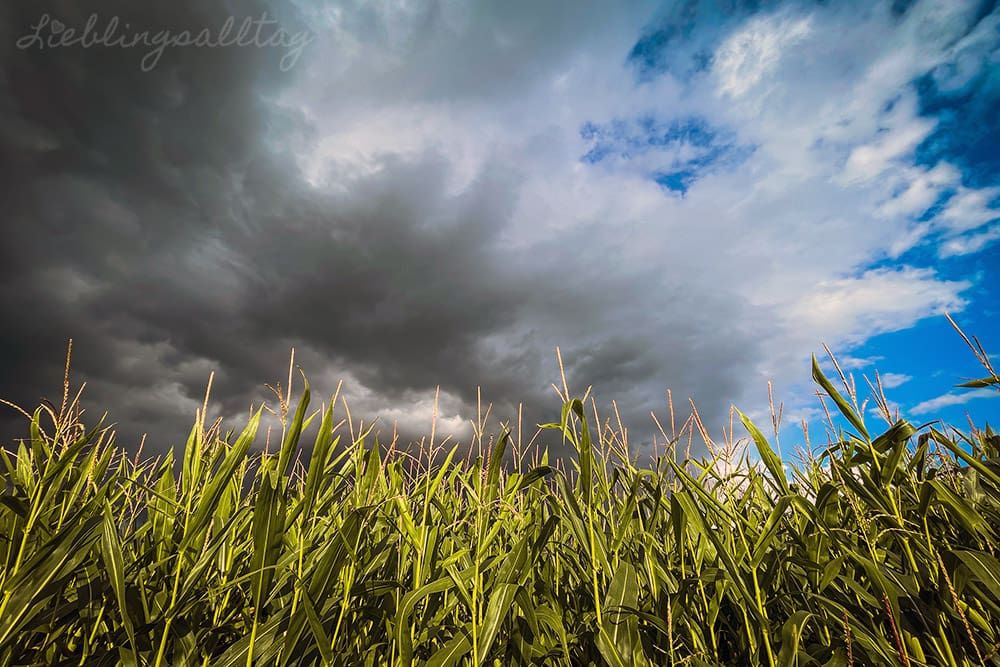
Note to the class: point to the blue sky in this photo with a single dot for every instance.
(433, 196)
(957, 94)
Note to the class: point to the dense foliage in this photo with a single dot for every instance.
(872, 551)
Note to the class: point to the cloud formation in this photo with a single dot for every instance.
(938, 402)
(440, 193)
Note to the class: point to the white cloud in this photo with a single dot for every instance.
(967, 56)
(872, 159)
(411, 413)
(970, 243)
(878, 301)
(893, 380)
(946, 400)
(920, 189)
(754, 51)
(849, 363)
(969, 209)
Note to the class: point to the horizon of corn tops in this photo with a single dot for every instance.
(871, 551)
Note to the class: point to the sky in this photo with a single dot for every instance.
(428, 198)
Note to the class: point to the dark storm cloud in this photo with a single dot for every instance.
(155, 218)
(160, 219)
(114, 177)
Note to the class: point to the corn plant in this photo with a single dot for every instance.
(872, 550)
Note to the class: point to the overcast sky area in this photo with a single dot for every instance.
(683, 195)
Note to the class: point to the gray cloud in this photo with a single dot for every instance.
(406, 207)
(118, 179)
(159, 218)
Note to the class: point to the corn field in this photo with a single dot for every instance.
(872, 550)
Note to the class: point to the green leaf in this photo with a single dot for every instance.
(406, 608)
(16, 505)
(984, 382)
(210, 494)
(767, 455)
(57, 559)
(791, 636)
(267, 530)
(114, 563)
(973, 462)
(618, 638)
(496, 461)
(842, 405)
(319, 459)
(985, 569)
(453, 651)
(534, 475)
(289, 446)
(316, 627)
(512, 574)
(765, 543)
